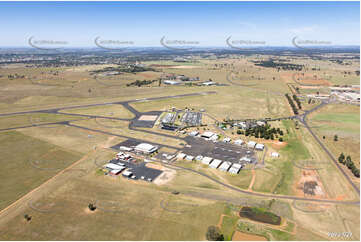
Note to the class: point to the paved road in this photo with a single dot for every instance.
(137, 114)
(262, 194)
(304, 121)
(56, 110)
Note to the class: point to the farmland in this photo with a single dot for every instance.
(58, 130)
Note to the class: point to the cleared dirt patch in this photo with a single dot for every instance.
(148, 117)
(310, 185)
(240, 236)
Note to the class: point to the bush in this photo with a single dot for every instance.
(213, 234)
(92, 207)
(27, 217)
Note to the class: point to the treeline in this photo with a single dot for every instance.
(125, 68)
(279, 66)
(297, 101)
(264, 132)
(292, 104)
(140, 83)
(349, 163)
(15, 76)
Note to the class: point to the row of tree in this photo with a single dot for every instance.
(293, 106)
(297, 101)
(279, 66)
(264, 132)
(349, 163)
(139, 83)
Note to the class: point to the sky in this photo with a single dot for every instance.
(202, 23)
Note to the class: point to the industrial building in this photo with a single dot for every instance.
(259, 147)
(225, 166)
(215, 163)
(275, 154)
(235, 168)
(146, 148)
(207, 135)
(238, 142)
(207, 160)
(251, 144)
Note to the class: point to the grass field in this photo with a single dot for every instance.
(343, 121)
(136, 210)
(117, 111)
(27, 162)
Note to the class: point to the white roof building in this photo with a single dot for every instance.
(238, 142)
(124, 148)
(260, 123)
(181, 156)
(259, 146)
(146, 148)
(113, 166)
(275, 154)
(207, 134)
(251, 144)
(127, 173)
(171, 82)
(210, 83)
(243, 125)
(235, 168)
(207, 160)
(225, 166)
(215, 163)
(245, 159)
(194, 133)
(214, 137)
(189, 158)
(116, 172)
(227, 140)
(199, 158)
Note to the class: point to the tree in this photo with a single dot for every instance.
(323, 137)
(335, 138)
(213, 234)
(341, 158)
(92, 207)
(356, 172)
(349, 162)
(27, 217)
(280, 139)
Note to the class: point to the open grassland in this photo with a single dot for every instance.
(241, 180)
(329, 218)
(232, 102)
(135, 211)
(115, 110)
(121, 128)
(333, 182)
(279, 174)
(70, 138)
(33, 119)
(343, 121)
(28, 162)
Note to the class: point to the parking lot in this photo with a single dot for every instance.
(220, 150)
(139, 170)
(192, 119)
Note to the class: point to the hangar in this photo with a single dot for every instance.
(215, 163)
(146, 148)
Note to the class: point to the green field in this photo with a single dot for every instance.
(27, 163)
